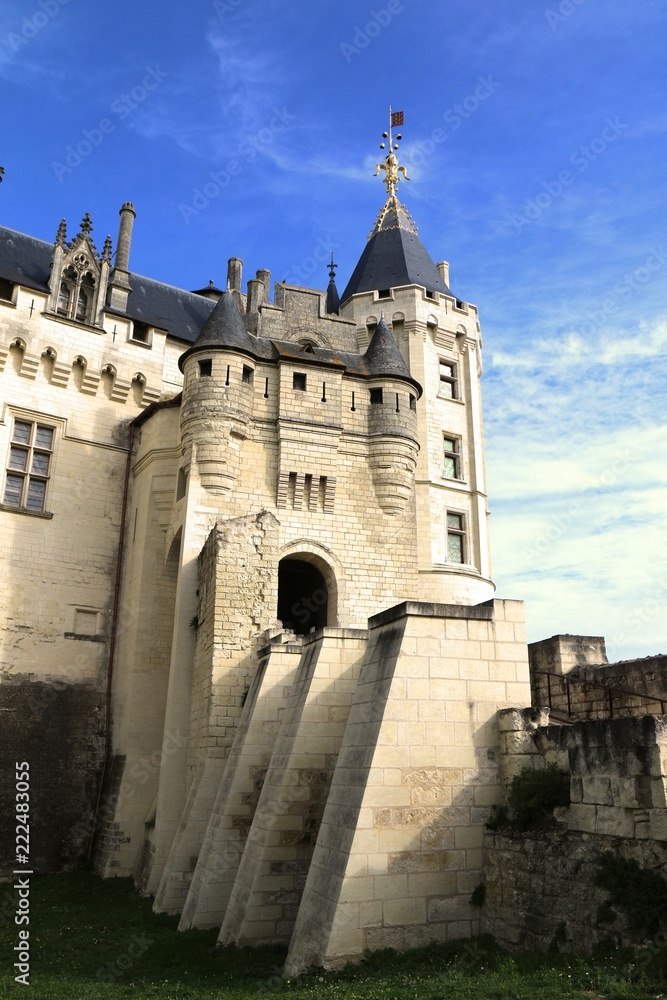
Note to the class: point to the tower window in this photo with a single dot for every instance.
(452, 457)
(247, 375)
(413, 402)
(376, 396)
(7, 290)
(205, 367)
(455, 538)
(29, 465)
(449, 385)
(299, 381)
(141, 332)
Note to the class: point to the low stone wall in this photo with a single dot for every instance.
(570, 673)
(540, 888)
(540, 885)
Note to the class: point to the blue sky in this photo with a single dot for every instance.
(536, 139)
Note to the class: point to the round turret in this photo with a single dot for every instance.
(218, 393)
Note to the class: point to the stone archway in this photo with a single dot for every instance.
(303, 595)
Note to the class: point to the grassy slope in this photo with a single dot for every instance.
(96, 940)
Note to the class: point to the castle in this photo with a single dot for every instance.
(251, 646)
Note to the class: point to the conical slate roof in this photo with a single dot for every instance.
(223, 328)
(333, 301)
(384, 358)
(393, 256)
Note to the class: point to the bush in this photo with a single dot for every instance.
(533, 796)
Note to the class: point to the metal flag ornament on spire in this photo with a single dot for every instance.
(390, 165)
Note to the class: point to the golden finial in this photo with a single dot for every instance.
(390, 165)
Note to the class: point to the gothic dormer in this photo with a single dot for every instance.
(79, 275)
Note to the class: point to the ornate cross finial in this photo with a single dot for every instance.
(332, 267)
(106, 250)
(61, 235)
(86, 224)
(390, 165)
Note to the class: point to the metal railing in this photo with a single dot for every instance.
(609, 690)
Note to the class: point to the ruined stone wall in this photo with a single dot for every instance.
(570, 673)
(540, 889)
(618, 792)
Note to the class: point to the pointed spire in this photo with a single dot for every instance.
(333, 300)
(224, 328)
(394, 255)
(106, 250)
(384, 358)
(61, 235)
(86, 224)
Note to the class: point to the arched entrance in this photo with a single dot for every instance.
(303, 595)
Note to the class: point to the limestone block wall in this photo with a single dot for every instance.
(267, 892)
(237, 595)
(143, 651)
(617, 767)
(618, 780)
(540, 885)
(234, 807)
(399, 848)
(587, 687)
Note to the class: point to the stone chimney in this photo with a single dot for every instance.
(234, 273)
(443, 269)
(119, 286)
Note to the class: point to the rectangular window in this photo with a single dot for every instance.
(452, 457)
(7, 290)
(141, 332)
(455, 538)
(376, 396)
(413, 402)
(248, 375)
(299, 382)
(205, 368)
(448, 380)
(29, 465)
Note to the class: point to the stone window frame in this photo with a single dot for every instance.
(31, 448)
(456, 531)
(77, 287)
(145, 331)
(449, 386)
(454, 455)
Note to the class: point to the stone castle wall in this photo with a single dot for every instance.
(618, 792)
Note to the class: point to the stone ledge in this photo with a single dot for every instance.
(423, 609)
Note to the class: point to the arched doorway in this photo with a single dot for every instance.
(303, 596)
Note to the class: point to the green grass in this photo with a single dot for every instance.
(83, 928)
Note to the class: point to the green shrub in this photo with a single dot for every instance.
(533, 796)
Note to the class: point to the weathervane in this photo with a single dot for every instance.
(390, 165)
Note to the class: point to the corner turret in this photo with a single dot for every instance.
(218, 372)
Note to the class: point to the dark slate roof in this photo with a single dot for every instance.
(333, 299)
(393, 256)
(383, 356)
(225, 328)
(27, 261)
